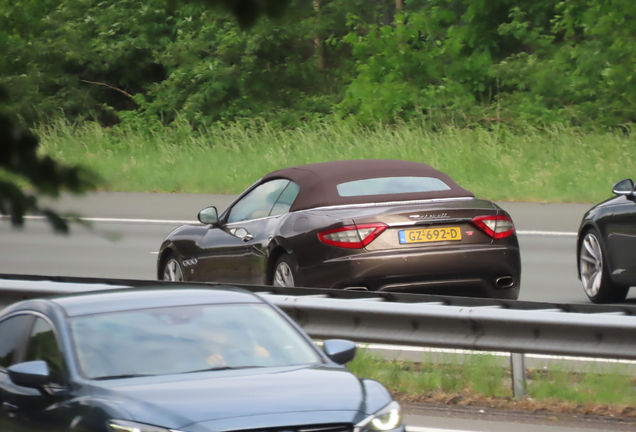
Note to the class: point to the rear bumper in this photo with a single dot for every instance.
(466, 271)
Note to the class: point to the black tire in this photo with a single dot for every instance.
(172, 266)
(594, 271)
(284, 272)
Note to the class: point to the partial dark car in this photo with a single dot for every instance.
(384, 225)
(177, 360)
(606, 246)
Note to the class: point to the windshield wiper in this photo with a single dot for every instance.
(218, 368)
(101, 378)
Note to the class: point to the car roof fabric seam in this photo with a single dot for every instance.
(387, 203)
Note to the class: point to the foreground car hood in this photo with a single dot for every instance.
(178, 400)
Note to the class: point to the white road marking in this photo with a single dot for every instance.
(121, 220)
(426, 429)
(493, 353)
(547, 233)
(184, 222)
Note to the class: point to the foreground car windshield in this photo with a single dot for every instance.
(186, 339)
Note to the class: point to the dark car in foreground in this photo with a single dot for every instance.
(606, 246)
(177, 360)
(383, 225)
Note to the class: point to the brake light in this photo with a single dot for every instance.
(352, 236)
(497, 227)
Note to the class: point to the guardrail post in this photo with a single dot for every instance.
(518, 367)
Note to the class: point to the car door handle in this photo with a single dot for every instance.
(9, 408)
(248, 237)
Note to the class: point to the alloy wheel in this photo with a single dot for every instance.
(591, 265)
(172, 271)
(283, 276)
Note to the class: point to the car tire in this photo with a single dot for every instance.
(594, 271)
(284, 274)
(172, 270)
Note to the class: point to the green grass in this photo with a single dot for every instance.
(483, 375)
(615, 386)
(559, 165)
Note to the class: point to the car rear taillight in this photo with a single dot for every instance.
(352, 236)
(497, 227)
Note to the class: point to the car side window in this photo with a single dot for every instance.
(286, 199)
(43, 345)
(258, 202)
(11, 332)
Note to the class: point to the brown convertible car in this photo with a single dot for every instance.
(383, 225)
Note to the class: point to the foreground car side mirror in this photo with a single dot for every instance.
(340, 351)
(624, 187)
(209, 215)
(33, 374)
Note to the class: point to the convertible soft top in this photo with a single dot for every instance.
(318, 181)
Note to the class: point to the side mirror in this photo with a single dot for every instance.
(33, 374)
(624, 187)
(340, 351)
(209, 215)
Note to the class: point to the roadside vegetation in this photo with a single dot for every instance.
(556, 164)
(481, 380)
(526, 101)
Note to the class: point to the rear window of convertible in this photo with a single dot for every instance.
(390, 185)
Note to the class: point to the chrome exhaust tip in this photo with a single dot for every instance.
(356, 288)
(504, 282)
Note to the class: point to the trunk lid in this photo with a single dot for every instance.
(428, 225)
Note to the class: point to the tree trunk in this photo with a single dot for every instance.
(318, 47)
(399, 5)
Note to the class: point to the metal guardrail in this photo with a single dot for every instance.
(412, 319)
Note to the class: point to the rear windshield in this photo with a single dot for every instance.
(390, 185)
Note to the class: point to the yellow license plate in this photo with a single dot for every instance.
(424, 235)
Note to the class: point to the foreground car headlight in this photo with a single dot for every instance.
(388, 418)
(128, 426)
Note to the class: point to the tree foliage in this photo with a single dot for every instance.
(510, 61)
(21, 165)
(466, 61)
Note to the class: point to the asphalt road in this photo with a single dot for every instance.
(444, 418)
(131, 227)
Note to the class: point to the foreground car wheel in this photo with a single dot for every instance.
(283, 273)
(594, 272)
(172, 270)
